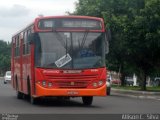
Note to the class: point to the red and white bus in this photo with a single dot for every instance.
(60, 56)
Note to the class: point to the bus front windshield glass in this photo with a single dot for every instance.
(69, 50)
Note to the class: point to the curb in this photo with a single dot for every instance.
(136, 94)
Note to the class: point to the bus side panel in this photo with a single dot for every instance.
(17, 73)
(26, 64)
(21, 68)
(24, 68)
(32, 71)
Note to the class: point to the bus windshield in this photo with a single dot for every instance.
(70, 50)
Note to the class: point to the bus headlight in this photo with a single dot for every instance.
(95, 84)
(39, 82)
(100, 83)
(43, 83)
(49, 84)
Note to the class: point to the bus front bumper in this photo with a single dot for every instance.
(42, 92)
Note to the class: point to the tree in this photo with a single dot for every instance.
(135, 26)
(117, 16)
(5, 54)
(146, 43)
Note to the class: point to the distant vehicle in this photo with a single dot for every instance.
(129, 81)
(116, 81)
(156, 81)
(7, 77)
(113, 78)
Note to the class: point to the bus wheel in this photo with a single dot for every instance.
(33, 100)
(19, 95)
(87, 100)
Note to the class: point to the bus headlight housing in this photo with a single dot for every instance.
(50, 84)
(100, 83)
(95, 84)
(43, 83)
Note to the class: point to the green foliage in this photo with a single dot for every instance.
(135, 28)
(5, 54)
(137, 88)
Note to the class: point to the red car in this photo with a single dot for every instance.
(116, 81)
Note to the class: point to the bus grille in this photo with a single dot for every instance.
(71, 77)
(71, 84)
(71, 81)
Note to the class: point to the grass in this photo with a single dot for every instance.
(156, 89)
(137, 88)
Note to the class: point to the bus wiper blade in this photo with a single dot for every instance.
(59, 37)
(66, 47)
(84, 38)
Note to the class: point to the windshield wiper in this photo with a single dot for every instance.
(59, 38)
(84, 38)
(66, 46)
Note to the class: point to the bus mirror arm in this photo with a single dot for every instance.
(108, 34)
(107, 39)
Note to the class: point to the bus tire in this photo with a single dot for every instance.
(19, 95)
(28, 86)
(33, 100)
(16, 83)
(87, 100)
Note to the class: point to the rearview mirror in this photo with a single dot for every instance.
(31, 38)
(107, 39)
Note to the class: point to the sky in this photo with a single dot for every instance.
(16, 14)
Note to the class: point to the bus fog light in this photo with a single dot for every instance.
(94, 84)
(100, 83)
(49, 84)
(39, 82)
(44, 83)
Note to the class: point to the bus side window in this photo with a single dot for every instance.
(15, 51)
(26, 46)
(17, 47)
(27, 42)
(24, 42)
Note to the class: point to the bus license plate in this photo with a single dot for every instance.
(72, 93)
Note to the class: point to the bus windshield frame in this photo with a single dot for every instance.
(77, 25)
(70, 50)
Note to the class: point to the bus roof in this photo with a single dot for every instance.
(49, 17)
(70, 16)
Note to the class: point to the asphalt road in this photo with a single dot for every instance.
(101, 105)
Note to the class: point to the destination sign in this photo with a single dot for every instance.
(69, 23)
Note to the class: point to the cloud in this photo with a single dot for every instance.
(16, 14)
(14, 11)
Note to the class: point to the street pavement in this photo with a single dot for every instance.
(113, 104)
(136, 94)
